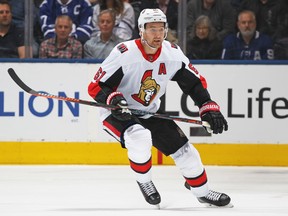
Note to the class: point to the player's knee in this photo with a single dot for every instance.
(187, 158)
(138, 141)
(137, 134)
(184, 152)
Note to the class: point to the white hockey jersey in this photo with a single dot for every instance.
(143, 78)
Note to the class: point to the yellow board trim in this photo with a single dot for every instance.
(112, 153)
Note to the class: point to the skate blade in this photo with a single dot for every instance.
(230, 205)
(157, 206)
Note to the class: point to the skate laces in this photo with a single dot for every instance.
(148, 188)
(213, 195)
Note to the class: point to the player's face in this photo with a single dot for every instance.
(63, 28)
(5, 15)
(154, 34)
(246, 24)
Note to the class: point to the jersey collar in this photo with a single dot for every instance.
(148, 57)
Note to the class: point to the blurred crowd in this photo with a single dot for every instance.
(216, 29)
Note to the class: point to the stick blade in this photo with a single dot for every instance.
(19, 82)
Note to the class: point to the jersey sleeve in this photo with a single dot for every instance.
(84, 27)
(108, 76)
(191, 81)
(47, 19)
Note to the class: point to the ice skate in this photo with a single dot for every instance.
(150, 193)
(214, 198)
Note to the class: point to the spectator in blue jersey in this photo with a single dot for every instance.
(247, 44)
(100, 45)
(80, 11)
(204, 43)
(270, 16)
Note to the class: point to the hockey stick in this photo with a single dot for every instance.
(26, 88)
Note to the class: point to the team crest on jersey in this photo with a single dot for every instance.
(122, 48)
(148, 89)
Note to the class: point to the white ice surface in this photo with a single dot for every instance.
(112, 190)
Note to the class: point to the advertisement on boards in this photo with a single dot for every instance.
(253, 98)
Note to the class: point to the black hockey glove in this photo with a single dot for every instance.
(122, 113)
(210, 112)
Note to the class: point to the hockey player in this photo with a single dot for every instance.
(135, 75)
(79, 11)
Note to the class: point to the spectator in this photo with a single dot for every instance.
(125, 17)
(62, 45)
(18, 18)
(18, 11)
(270, 16)
(37, 3)
(38, 34)
(281, 49)
(236, 4)
(11, 37)
(93, 2)
(248, 43)
(80, 11)
(281, 45)
(204, 44)
(220, 12)
(100, 45)
(136, 5)
(170, 9)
